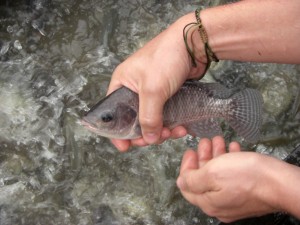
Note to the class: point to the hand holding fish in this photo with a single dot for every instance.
(236, 185)
(156, 72)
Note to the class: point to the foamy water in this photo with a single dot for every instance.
(56, 60)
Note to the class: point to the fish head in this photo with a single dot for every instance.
(115, 116)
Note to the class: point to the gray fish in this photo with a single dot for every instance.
(197, 106)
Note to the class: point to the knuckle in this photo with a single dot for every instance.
(146, 121)
(149, 123)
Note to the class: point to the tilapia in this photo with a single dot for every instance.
(199, 107)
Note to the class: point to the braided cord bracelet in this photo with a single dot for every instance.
(210, 55)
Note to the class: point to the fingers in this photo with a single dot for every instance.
(204, 151)
(138, 142)
(189, 161)
(193, 181)
(151, 116)
(178, 132)
(190, 176)
(219, 147)
(121, 145)
(165, 134)
(196, 184)
(208, 149)
(124, 145)
(234, 147)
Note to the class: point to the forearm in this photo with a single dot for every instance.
(253, 30)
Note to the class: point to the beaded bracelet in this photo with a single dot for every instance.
(210, 55)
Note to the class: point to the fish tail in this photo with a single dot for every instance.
(245, 114)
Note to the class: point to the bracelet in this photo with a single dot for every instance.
(210, 55)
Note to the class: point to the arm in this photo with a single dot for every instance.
(254, 30)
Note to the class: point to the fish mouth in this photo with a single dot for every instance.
(88, 125)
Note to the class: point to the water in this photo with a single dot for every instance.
(56, 60)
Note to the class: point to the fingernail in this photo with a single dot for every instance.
(151, 138)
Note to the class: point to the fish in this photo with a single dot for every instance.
(199, 107)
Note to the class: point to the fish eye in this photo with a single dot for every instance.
(106, 117)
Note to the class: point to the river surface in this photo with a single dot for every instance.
(56, 60)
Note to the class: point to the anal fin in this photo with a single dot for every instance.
(208, 128)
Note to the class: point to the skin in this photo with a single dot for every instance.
(241, 31)
(209, 179)
(251, 30)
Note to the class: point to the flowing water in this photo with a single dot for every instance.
(56, 60)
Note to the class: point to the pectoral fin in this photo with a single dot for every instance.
(208, 128)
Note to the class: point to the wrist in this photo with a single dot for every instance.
(288, 189)
(199, 49)
(280, 185)
(193, 41)
(197, 45)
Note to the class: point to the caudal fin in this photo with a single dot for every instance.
(245, 115)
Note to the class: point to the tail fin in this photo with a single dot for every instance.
(245, 115)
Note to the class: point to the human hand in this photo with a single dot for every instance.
(156, 72)
(228, 186)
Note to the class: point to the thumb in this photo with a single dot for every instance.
(189, 161)
(194, 181)
(151, 106)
